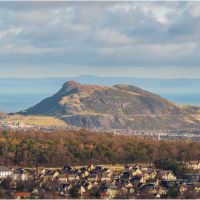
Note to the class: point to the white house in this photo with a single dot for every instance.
(5, 172)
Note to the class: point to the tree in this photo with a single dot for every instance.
(2, 193)
(172, 193)
(178, 167)
(36, 148)
(6, 183)
(5, 133)
(74, 192)
(20, 185)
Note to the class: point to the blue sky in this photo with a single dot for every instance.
(135, 39)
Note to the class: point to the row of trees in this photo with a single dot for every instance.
(37, 148)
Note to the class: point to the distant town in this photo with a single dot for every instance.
(164, 134)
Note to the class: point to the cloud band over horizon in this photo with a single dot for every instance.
(139, 39)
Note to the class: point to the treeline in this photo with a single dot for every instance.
(59, 148)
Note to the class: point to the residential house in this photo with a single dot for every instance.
(168, 183)
(150, 173)
(125, 176)
(106, 176)
(112, 191)
(5, 172)
(62, 178)
(149, 188)
(192, 177)
(128, 185)
(55, 174)
(131, 190)
(195, 165)
(197, 188)
(160, 191)
(136, 171)
(106, 171)
(35, 193)
(139, 179)
(97, 169)
(128, 168)
(95, 183)
(81, 190)
(83, 172)
(124, 190)
(166, 175)
(41, 171)
(90, 167)
(183, 188)
(93, 177)
(67, 169)
(135, 181)
(20, 174)
(103, 187)
(114, 181)
(63, 189)
(72, 177)
(88, 185)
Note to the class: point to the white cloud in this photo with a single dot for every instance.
(195, 10)
(158, 11)
(79, 28)
(112, 37)
(33, 17)
(12, 31)
(170, 50)
(25, 50)
(100, 33)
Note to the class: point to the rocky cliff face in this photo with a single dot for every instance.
(116, 107)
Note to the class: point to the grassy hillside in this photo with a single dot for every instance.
(37, 120)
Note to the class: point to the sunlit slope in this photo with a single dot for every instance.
(120, 106)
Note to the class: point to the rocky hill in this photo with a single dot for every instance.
(117, 107)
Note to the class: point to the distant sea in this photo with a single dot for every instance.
(183, 98)
(20, 101)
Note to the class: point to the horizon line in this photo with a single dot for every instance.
(85, 75)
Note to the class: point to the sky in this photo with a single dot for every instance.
(134, 39)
